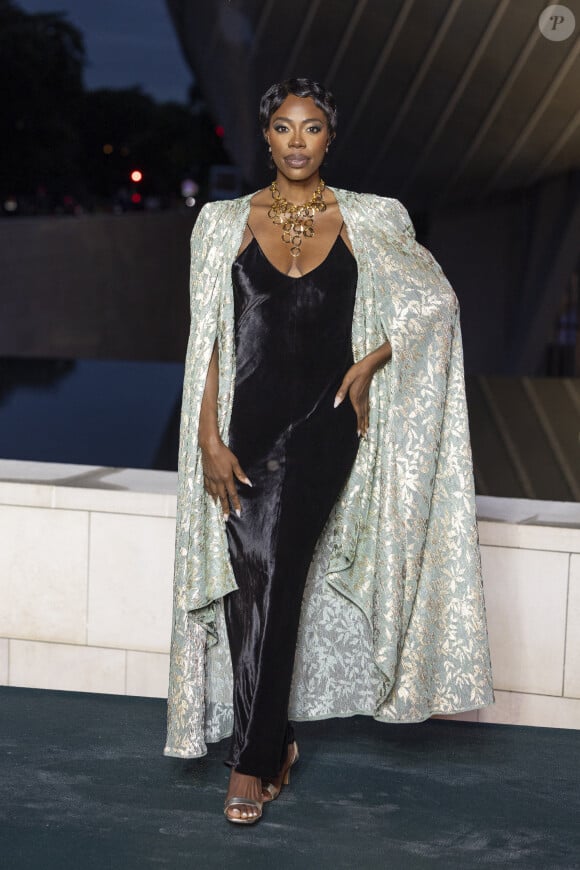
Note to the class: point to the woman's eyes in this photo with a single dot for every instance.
(282, 128)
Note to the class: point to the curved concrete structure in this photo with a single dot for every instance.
(438, 99)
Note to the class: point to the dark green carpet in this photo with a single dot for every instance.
(84, 784)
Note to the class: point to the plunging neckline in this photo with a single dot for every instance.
(286, 274)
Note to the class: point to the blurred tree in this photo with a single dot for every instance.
(57, 137)
(125, 129)
(114, 122)
(42, 57)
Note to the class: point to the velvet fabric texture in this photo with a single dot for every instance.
(293, 347)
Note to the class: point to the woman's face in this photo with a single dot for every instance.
(298, 135)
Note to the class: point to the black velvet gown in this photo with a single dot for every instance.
(293, 347)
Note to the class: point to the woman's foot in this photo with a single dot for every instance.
(244, 786)
(271, 787)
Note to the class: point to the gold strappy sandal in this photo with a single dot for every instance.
(240, 801)
(271, 788)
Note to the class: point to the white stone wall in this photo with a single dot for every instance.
(86, 564)
(531, 571)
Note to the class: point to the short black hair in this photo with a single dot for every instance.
(301, 87)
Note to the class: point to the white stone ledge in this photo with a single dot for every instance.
(64, 666)
(528, 524)
(4, 650)
(74, 668)
(519, 708)
(524, 537)
(88, 488)
(86, 563)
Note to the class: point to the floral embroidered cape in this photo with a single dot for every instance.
(393, 621)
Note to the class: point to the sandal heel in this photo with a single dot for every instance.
(286, 779)
(271, 788)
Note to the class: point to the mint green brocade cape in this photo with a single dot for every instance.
(393, 621)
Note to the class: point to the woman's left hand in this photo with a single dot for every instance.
(357, 382)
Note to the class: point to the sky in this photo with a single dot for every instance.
(128, 42)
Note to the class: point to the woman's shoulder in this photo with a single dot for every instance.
(216, 206)
(209, 210)
(369, 205)
(370, 201)
(356, 195)
(219, 211)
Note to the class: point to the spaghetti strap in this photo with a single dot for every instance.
(252, 232)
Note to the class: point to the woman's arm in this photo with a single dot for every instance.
(219, 463)
(208, 434)
(380, 356)
(357, 382)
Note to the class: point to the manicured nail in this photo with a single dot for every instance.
(226, 517)
(336, 401)
(249, 482)
(239, 513)
(358, 432)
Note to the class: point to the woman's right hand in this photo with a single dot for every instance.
(219, 466)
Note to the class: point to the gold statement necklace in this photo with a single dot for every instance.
(297, 221)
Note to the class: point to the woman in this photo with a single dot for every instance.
(327, 558)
